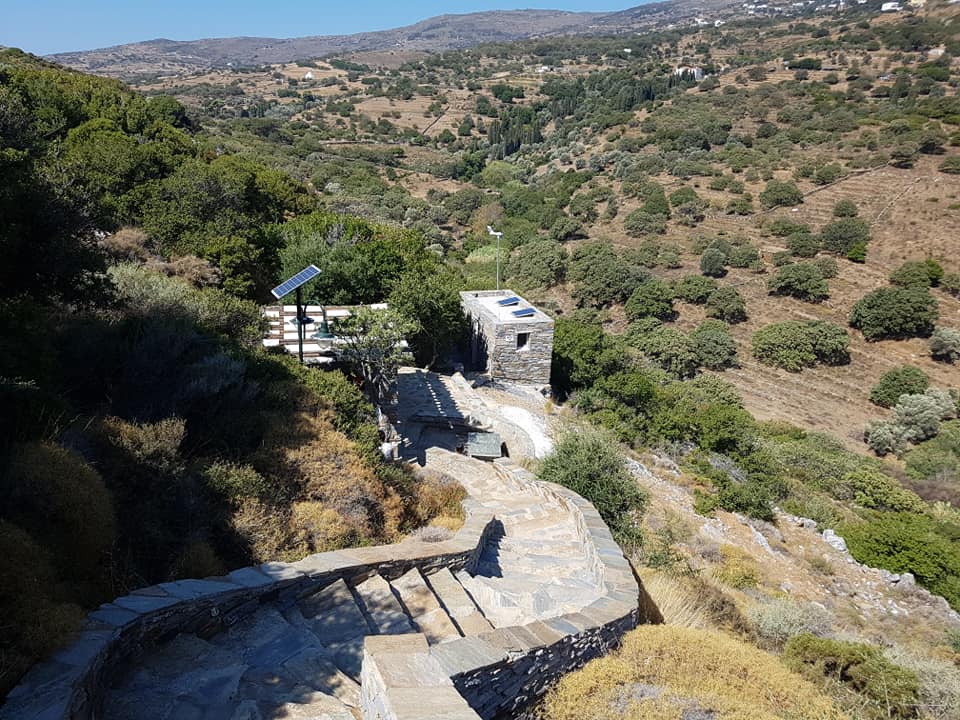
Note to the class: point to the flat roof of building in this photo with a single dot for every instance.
(489, 302)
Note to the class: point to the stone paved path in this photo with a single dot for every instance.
(303, 659)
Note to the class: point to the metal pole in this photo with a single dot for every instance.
(300, 324)
(498, 259)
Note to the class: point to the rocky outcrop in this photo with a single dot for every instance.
(480, 625)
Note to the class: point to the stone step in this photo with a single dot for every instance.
(183, 678)
(334, 618)
(282, 657)
(457, 602)
(499, 609)
(333, 614)
(521, 545)
(301, 704)
(535, 563)
(381, 607)
(424, 607)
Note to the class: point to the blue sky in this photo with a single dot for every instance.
(50, 26)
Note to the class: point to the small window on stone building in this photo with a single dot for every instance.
(523, 341)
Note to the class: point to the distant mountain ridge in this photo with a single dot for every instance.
(436, 33)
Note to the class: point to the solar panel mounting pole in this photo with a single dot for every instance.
(287, 287)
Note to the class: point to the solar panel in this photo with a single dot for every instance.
(525, 312)
(506, 302)
(288, 286)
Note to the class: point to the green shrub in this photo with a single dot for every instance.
(713, 262)
(778, 193)
(828, 173)
(892, 313)
(695, 289)
(945, 344)
(878, 491)
(780, 259)
(860, 668)
(234, 482)
(673, 350)
(590, 463)
(920, 273)
(951, 165)
(582, 352)
(845, 209)
(541, 263)
(904, 380)
(640, 223)
(803, 281)
(827, 265)
(727, 304)
(601, 276)
(843, 235)
(907, 542)
(651, 299)
(743, 256)
(794, 345)
(714, 345)
(646, 254)
(669, 259)
(920, 415)
(937, 458)
(784, 227)
(858, 252)
(683, 195)
(803, 244)
(885, 437)
(951, 284)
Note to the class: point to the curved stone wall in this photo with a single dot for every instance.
(491, 672)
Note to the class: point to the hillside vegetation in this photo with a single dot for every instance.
(746, 233)
(145, 435)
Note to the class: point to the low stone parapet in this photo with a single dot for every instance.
(69, 685)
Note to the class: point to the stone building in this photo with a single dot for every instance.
(509, 337)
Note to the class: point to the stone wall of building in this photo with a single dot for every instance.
(494, 341)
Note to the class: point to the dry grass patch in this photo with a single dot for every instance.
(661, 672)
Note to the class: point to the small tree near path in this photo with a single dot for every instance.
(375, 347)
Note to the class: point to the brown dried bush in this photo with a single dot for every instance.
(127, 243)
(64, 504)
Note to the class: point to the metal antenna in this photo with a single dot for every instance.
(498, 235)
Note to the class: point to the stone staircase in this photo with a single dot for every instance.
(295, 659)
(473, 627)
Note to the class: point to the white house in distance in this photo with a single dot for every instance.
(890, 7)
